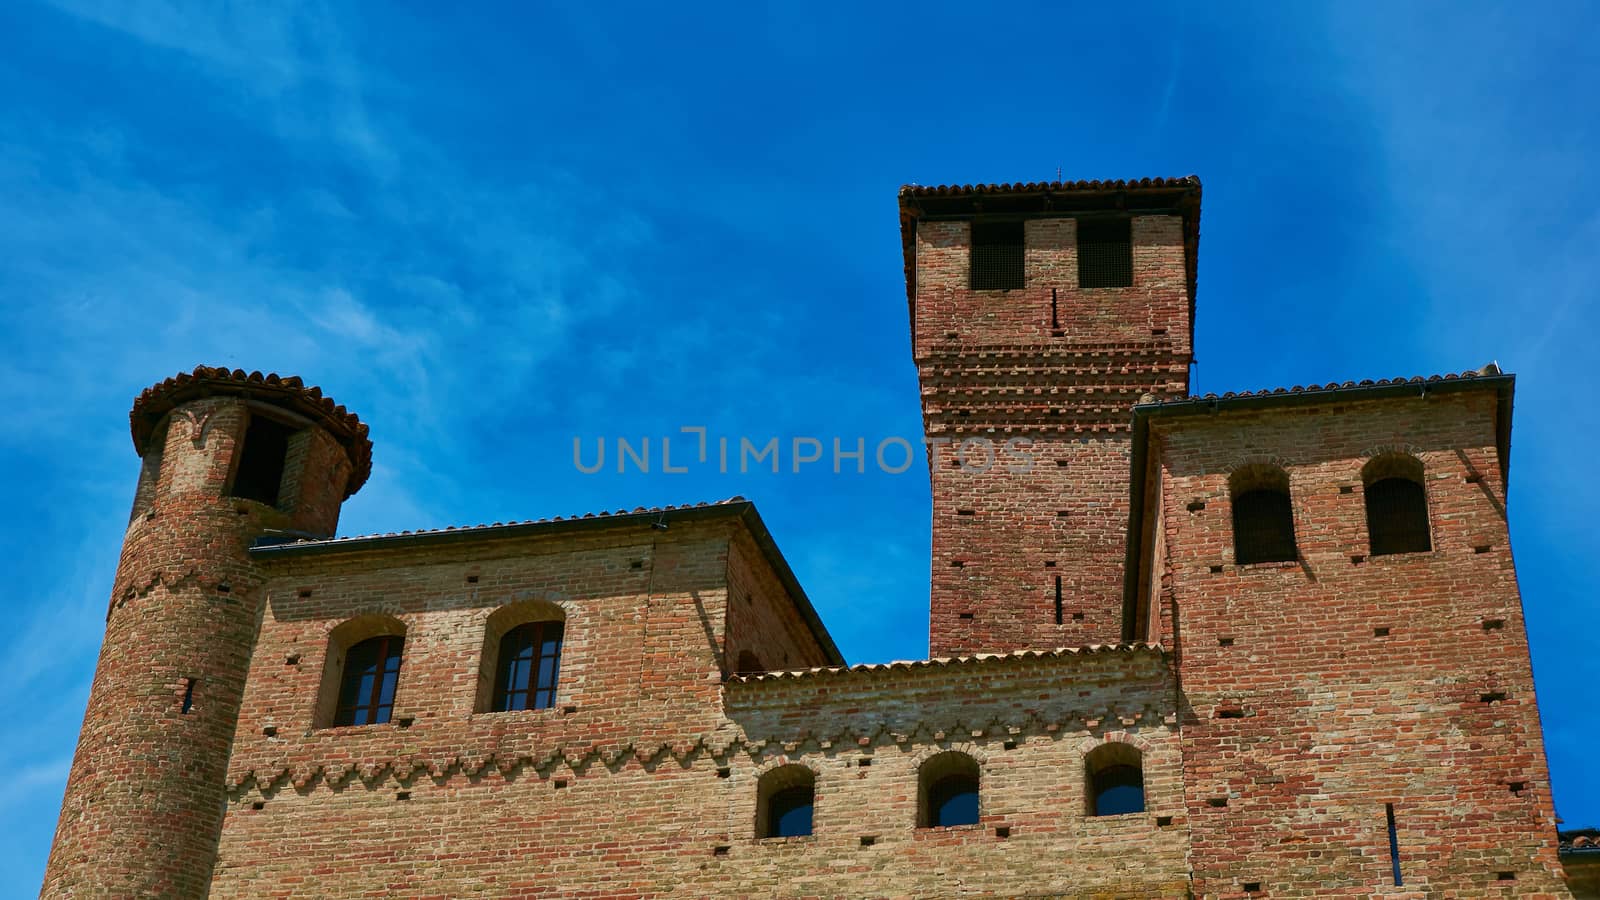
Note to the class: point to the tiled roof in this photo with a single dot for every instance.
(1487, 372)
(638, 511)
(288, 392)
(1581, 840)
(943, 661)
(1054, 187)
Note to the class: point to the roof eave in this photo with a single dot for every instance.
(743, 510)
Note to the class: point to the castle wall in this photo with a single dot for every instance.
(563, 819)
(997, 366)
(762, 618)
(1321, 690)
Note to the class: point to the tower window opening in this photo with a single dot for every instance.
(261, 461)
(997, 256)
(1397, 506)
(1105, 253)
(188, 696)
(1263, 517)
(371, 671)
(529, 664)
(948, 791)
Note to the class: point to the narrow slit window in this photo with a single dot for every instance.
(371, 672)
(997, 256)
(260, 472)
(1105, 253)
(188, 695)
(1394, 844)
(530, 663)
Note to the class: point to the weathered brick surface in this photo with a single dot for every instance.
(994, 368)
(637, 820)
(1334, 719)
(1279, 709)
(144, 796)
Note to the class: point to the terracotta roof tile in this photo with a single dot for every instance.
(520, 523)
(1039, 187)
(1489, 371)
(938, 662)
(1581, 840)
(288, 392)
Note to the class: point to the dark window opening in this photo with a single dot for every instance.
(1397, 517)
(529, 664)
(366, 690)
(785, 802)
(1117, 790)
(188, 696)
(260, 473)
(1263, 527)
(789, 812)
(953, 801)
(997, 256)
(1105, 253)
(948, 788)
(1115, 780)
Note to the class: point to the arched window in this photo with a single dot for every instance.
(521, 663)
(787, 796)
(1397, 505)
(529, 662)
(1263, 518)
(1115, 780)
(947, 791)
(366, 689)
(360, 671)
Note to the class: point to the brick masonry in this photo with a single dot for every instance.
(1274, 709)
(1055, 369)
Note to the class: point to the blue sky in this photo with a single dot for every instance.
(492, 229)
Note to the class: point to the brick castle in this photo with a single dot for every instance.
(1255, 645)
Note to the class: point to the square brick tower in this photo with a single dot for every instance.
(1040, 314)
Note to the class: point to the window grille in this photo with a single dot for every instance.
(1105, 253)
(1263, 527)
(1397, 517)
(997, 256)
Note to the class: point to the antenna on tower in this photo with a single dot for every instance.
(1058, 173)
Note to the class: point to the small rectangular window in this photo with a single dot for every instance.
(1105, 253)
(997, 256)
(266, 447)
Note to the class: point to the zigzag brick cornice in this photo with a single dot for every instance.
(405, 768)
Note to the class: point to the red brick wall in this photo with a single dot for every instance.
(575, 806)
(1334, 719)
(144, 797)
(762, 618)
(993, 368)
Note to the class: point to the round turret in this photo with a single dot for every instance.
(229, 458)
